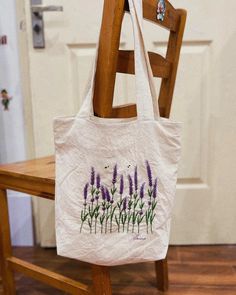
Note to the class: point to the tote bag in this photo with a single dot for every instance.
(116, 178)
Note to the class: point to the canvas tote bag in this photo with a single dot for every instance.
(116, 178)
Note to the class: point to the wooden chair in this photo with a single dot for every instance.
(36, 177)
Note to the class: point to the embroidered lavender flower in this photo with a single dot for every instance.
(136, 179)
(154, 193)
(121, 185)
(101, 206)
(92, 176)
(142, 191)
(114, 179)
(98, 181)
(149, 173)
(130, 185)
(103, 193)
(86, 191)
(108, 196)
(124, 204)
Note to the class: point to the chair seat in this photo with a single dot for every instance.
(35, 177)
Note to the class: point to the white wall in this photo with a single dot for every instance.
(12, 137)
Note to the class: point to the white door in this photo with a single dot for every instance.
(204, 100)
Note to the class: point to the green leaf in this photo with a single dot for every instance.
(102, 219)
(154, 205)
(123, 218)
(141, 205)
(93, 190)
(149, 192)
(152, 218)
(135, 204)
(140, 219)
(84, 217)
(113, 211)
(117, 220)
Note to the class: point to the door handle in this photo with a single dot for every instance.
(42, 8)
(37, 10)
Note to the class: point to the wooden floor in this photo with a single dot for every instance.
(198, 270)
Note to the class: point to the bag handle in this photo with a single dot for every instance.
(147, 106)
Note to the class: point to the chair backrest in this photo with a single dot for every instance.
(112, 60)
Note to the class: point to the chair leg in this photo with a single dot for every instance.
(5, 246)
(162, 274)
(101, 280)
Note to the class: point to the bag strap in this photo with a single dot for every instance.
(147, 107)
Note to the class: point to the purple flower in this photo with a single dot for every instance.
(149, 203)
(142, 191)
(149, 173)
(121, 185)
(103, 208)
(108, 196)
(86, 191)
(136, 178)
(114, 175)
(98, 181)
(92, 200)
(92, 177)
(141, 212)
(154, 193)
(130, 185)
(124, 204)
(112, 201)
(97, 197)
(103, 193)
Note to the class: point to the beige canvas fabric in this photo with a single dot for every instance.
(116, 178)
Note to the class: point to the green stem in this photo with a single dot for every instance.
(81, 227)
(95, 225)
(133, 228)
(128, 222)
(106, 222)
(111, 218)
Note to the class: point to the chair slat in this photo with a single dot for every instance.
(128, 111)
(171, 20)
(48, 277)
(124, 111)
(160, 66)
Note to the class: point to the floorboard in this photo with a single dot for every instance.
(193, 270)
